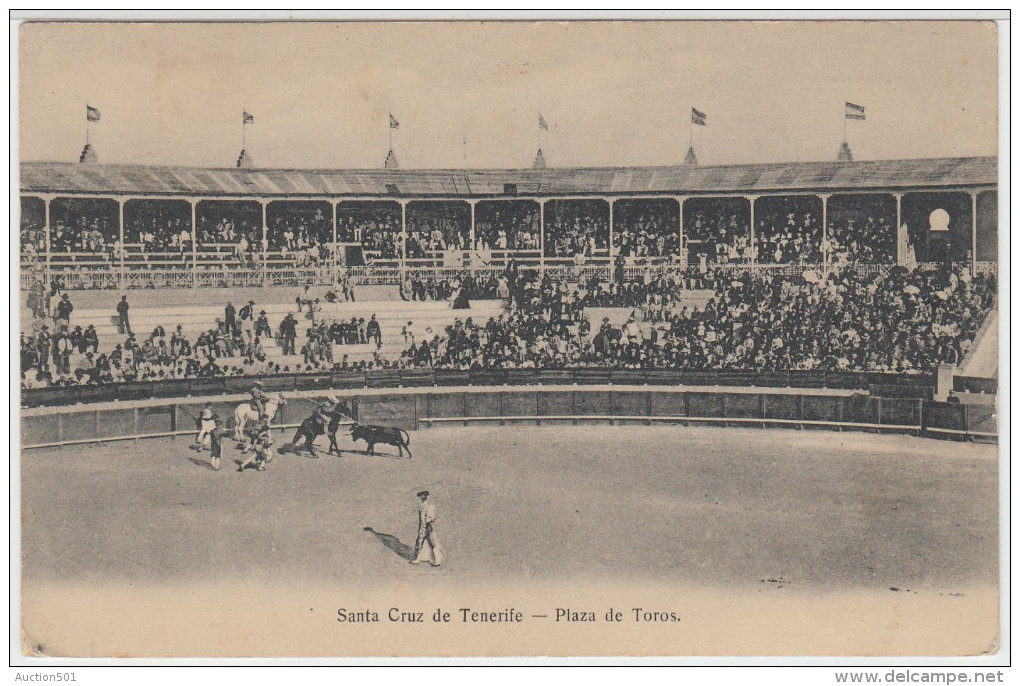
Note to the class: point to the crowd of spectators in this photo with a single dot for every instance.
(317, 351)
(903, 322)
(718, 237)
(378, 232)
(152, 228)
(788, 237)
(91, 234)
(32, 233)
(437, 228)
(871, 241)
(457, 289)
(235, 236)
(648, 229)
(576, 228)
(300, 238)
(507, 226)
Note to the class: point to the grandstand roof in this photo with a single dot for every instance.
(60, 177)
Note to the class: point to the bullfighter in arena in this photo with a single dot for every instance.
(310, 429)
(216, 442)
(339, 411)
(261, 448)
(426, 545)
(205, 425)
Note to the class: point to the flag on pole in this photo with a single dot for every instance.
(853, 111)
(91, 113)
(394, 124)
(542, 123)
(699, 118)
(247, 119)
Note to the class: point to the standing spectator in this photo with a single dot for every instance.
(229, 319)
(123, 324)
(37, 299)
(374, 332)
(62, 344)
(247, 315)
(64, 310)
(262, 325)
(288, 332)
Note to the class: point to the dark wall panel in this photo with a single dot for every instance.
(78, 426)
(38, 430)
(592, 403)
(743, 405)
(446, 405)
(630, 403)
(821, 408)
(705, 404)
(113, 423)
(520, 404)
(669, 404)
(782, 406)
(556, 403)
(388, 410)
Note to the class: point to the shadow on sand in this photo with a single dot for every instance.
(201, 463)
(393, 543)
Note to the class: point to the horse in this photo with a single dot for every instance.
(245, 414)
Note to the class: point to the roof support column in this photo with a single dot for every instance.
(403, 238)
(680, 232)
(121, 277)
(46, 205)
(334, 249)
(194, 242)
(825, 229)
(901, 236)
(471, 237)
(973, 233)
(265, 244)
(612, 234)
(541, 230)
(753, 244)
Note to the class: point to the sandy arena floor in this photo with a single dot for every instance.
(825, 529)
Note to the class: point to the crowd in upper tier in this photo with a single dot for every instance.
(229, 234)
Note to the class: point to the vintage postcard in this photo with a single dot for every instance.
(508, 338)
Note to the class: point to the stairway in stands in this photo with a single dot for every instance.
(983, 358)
(429, 318)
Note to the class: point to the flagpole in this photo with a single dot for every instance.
(87, 124)
(389, 125)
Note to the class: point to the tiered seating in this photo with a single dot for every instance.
(430, 318)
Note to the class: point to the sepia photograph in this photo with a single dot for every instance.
(507, 339)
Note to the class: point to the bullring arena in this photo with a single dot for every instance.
(791, 503)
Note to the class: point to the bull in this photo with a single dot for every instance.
(387, 435)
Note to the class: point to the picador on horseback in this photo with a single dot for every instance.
(258, 398)
(325, 419)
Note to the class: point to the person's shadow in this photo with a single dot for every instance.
(393, 543)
